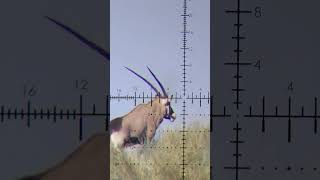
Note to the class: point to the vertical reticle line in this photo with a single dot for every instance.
(184, 80)
(28, 113)
(263, 115)
(237, 153)
(237, 150)
(55, 113)
(289, 119)
(184, 46)
(238, 51)
(80, 118)
(315, 115)
(238, 54)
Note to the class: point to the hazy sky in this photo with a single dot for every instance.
(148, 33)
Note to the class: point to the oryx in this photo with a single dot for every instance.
(140, 124)
(89, 161)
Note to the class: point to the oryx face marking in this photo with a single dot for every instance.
(170, 114)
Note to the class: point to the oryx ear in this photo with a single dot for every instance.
(171, 97)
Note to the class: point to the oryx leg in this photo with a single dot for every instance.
(151, 130)
(142, 137)
(134, 140)
(141, 140)
(118, 138)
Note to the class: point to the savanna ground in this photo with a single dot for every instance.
(162, 159)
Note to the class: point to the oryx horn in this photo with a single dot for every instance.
(162, 88)
(155, 89)
(89, 43)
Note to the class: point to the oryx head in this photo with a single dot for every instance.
(163, 98)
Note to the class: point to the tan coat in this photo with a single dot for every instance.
(143, 121)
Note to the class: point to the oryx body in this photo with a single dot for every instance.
(140, 124)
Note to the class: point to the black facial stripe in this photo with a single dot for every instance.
(170, 110)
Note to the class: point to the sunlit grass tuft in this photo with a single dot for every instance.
(163, 159)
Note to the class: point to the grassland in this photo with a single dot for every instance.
(162, 159)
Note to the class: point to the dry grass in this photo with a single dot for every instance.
(162, 159)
